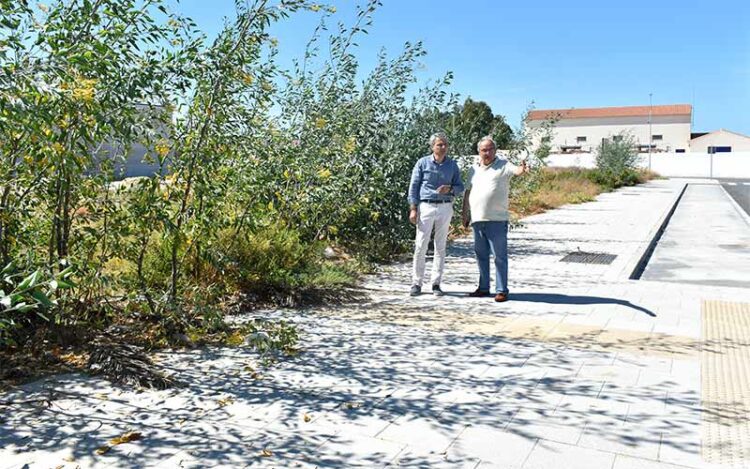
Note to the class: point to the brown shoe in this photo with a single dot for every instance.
(500, 297)
(479, 293)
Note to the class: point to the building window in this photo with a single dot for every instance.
(580, 139)
(680, 150)
(657, 137)
(719, 149)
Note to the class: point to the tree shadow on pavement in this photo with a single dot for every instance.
(362, 393)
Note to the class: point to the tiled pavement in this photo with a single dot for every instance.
(583, 368)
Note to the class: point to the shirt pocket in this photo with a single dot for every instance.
(431, 177)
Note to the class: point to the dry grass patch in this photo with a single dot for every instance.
(558, 186)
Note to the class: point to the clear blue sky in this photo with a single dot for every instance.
(558, 54)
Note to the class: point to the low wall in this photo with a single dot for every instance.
(719, 165)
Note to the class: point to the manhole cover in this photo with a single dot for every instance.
(589, 257)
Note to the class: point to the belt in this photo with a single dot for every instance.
(436, 201)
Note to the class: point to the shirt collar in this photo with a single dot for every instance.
(432, 158)
(481, 165)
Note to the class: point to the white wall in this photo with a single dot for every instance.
(675, 131)
(722, 165)
(720, 138)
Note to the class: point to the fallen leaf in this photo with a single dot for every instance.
(101, 396)
(74, 359)
(353, 405)
(266, 453)
(225, 402)
(102, 449)
(306, 417)
(126, 437)
(69, 459)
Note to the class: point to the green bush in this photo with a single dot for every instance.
(613, 180)
(616, 162)
(25, 297)
(274, 258)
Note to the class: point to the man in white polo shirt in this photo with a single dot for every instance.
(486, 196)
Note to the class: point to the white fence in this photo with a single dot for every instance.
(719, 165)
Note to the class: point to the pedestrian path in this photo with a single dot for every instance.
(707, 241)
(582, 368)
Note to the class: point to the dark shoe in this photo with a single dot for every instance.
(437, 291)
(479, 293)
(500, 297)
(415, 290)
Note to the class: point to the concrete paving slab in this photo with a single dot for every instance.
(414, 458)
(627, 462)
(551, 455)
(433, 435)
(496, 448)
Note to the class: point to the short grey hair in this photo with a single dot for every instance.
(486, 138)
(438, 136)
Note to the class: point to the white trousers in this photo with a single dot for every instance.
(429, 216)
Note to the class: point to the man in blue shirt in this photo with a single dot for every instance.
(435, 181)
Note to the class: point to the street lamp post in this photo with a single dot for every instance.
(650, 136)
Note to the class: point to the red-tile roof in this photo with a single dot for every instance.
(628, 111)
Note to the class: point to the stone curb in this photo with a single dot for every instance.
(634, 265)
(736, 206)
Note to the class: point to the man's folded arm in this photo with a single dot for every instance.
(456, 184)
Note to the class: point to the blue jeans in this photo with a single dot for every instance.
(492, 236)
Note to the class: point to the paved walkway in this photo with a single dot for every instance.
(583, 368)
(707, 241)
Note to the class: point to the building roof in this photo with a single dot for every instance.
(719, 131)
(627, 111)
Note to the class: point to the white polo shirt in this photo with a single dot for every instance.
(489, 190)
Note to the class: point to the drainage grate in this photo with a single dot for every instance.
(589, 258)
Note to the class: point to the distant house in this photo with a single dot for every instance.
(140, 159)
(719, 141)
(665, 128)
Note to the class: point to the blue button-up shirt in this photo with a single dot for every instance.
(428, 175)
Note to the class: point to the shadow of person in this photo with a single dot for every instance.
(559, 299)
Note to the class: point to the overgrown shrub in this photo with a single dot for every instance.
(25, 299)
(272, 259)
(616, 162)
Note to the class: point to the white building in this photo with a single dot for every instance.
(719, 141)
(666, 127)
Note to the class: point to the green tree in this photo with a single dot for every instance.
(467, 123)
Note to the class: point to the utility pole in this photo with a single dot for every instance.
(650, 136)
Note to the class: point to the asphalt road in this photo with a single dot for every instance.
(739, 189)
